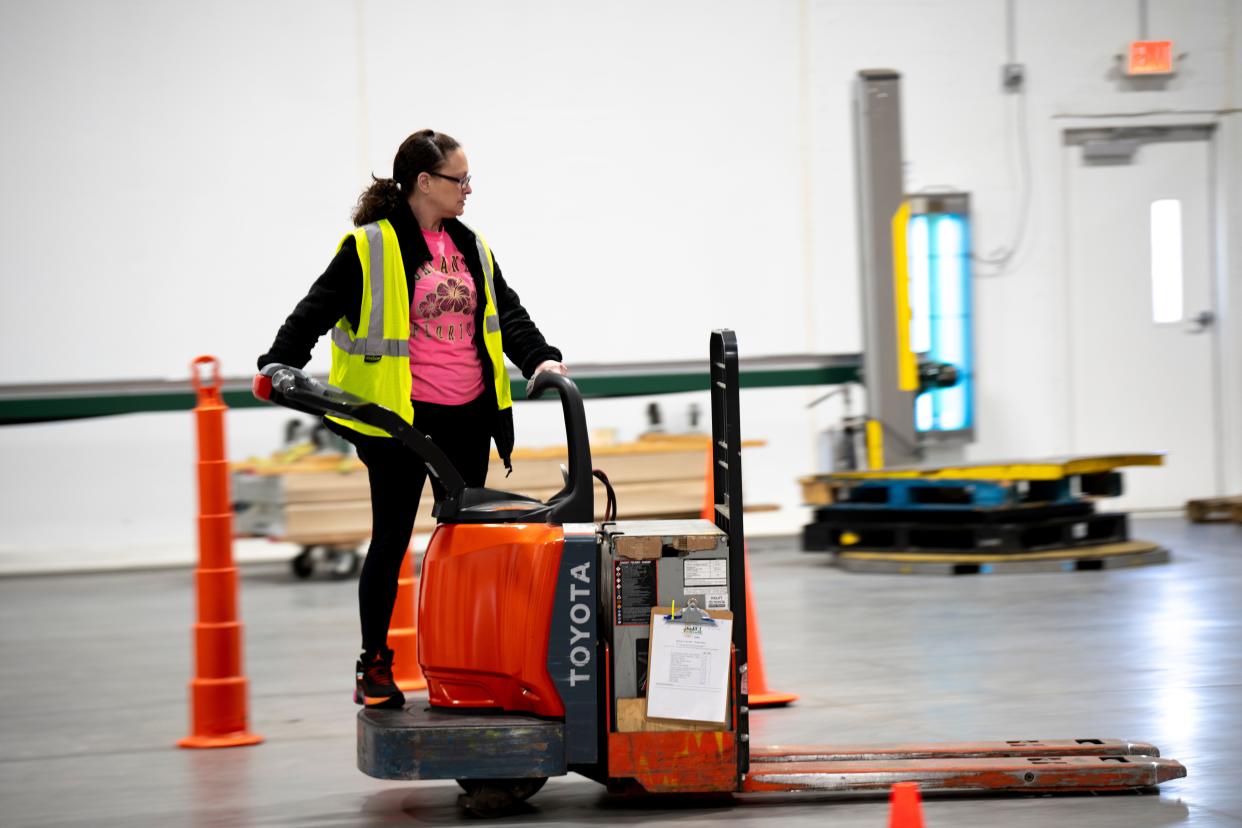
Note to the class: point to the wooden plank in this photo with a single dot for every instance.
(292, 462)
(1086, 551)
(346, 518)
(1215, 509)
(632, 718)
(1082, 558)
(639, 549)
(818, 491)
(326, 487)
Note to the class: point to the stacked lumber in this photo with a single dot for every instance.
(324, 498)
(316, 499)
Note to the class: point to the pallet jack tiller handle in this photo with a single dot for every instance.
(575, 503)
(295, 389)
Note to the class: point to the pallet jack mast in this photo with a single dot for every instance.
(528, 656)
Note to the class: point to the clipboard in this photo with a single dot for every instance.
(691, 614)
(688, 665)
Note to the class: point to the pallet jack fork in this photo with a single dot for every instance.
(501, 735)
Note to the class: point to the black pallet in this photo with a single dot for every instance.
(844, 513)
(976, 537)
(905, 492)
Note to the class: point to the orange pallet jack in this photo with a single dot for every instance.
(525, 645)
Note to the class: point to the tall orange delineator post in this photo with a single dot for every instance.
(403, 629)
(760, 695)
(218, 689)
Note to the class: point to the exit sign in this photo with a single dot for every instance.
(1150, 57)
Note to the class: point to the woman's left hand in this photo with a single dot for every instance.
(553, 366)
(547, 365)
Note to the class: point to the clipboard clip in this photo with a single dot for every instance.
(692, 614)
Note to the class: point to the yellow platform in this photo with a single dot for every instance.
(1048, 468)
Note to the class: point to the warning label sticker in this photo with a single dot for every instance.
(705, 572)
(634, 591)
(715, 597)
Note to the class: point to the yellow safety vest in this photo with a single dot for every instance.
(374, 361)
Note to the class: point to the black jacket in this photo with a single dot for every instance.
(338, 293)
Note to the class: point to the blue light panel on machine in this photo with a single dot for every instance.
(939, 269)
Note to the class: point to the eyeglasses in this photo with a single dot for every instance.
(462, 182)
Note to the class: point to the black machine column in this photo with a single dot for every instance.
(727, 488)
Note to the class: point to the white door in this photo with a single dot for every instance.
(1142, 369)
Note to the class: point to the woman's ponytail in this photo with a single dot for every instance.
(377, 201)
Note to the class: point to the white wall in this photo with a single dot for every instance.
(176, 174)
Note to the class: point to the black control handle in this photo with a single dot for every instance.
(295, 389)
(576, 502)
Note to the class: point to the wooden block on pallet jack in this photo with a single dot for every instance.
(639, 549)
(646, 539)
(632, 718)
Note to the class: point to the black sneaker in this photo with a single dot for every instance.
(375, 687)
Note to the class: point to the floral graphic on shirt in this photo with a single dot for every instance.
(454, 297)
(429, 308)
(450, 296)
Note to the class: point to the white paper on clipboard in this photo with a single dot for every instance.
(688, 668)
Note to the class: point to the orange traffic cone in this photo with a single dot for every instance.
(403, 629)
(760, 695)
(218, 690)
(906, 810)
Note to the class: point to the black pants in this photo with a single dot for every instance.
(397, 477)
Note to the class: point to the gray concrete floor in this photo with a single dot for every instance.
(93, 693)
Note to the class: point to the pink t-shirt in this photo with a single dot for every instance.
(444, 364)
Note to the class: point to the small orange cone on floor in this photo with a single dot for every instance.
(403, 629)
(906, 809)
(760, 695)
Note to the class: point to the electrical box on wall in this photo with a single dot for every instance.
(1013, 77)
(941, 311)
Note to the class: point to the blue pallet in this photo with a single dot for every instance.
(965, 495)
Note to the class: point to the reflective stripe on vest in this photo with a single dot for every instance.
(491, 322)
(370, 345)
(375, 363)
(375, 331)
(491, 328)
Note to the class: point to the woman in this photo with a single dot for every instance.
(421, 321)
